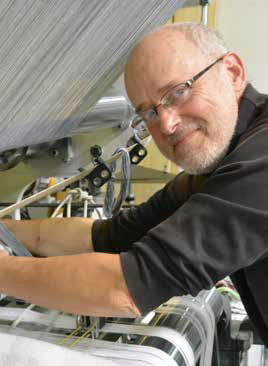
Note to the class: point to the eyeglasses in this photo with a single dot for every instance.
(176, 96)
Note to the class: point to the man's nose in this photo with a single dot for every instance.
(169, 120)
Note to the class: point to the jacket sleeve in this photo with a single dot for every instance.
(216, 232)
(120, 232)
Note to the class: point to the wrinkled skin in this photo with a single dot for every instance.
(197, 134)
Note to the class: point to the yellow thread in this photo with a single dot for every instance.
(69, 335)
(83, 336)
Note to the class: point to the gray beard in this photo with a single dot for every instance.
(207, 165)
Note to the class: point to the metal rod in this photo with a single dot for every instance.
(57, 187)
(204, 15)
(47, 205)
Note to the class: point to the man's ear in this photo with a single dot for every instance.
(236, 71)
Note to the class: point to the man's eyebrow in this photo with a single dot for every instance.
(168, 86)
(139, 108)
(162, 90)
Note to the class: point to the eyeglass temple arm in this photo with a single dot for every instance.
(197, 76)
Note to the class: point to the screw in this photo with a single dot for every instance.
(97, 181)
(104, 173)
(141, 152)
(54, 152)
(135, 159)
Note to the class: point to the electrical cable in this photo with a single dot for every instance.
(63, 202)
(69, 207)
(17, 214)
(55, 188)
(112, 207)
(126, 172)
(109, 196)
(91, 200)
(78, 195)
(85, 208)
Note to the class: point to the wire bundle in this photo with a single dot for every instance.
(112, 207)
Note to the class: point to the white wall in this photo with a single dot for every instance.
(244, 25)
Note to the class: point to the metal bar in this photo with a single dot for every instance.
(204, 14)
(57, 187)
(48, 205)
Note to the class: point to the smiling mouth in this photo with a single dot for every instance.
(185, 138)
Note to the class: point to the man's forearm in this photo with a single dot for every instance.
(51, 237)
(82, 284)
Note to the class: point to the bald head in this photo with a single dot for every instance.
(185, 41)
(164, 55)
(207, 40)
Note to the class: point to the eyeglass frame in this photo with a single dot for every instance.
(187, 83)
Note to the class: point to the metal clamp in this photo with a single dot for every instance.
(101, 174)
(138, 153)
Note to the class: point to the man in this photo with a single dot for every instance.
(202, 226)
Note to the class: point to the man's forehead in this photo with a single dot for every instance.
(159, 55)
(157, 64)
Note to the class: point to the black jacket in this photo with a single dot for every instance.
(199, 229)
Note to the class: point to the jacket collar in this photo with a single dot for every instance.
(251, 105)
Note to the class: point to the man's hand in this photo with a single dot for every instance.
(53, 237)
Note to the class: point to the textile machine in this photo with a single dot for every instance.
(62, 112)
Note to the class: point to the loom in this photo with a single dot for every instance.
(59, 62)
(180, 332)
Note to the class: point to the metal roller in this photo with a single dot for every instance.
(192, 319)
(110, 111)
(194, 325)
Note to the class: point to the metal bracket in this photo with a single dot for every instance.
(138, 153)
(101, 174)
(63, 150)
(11, 158)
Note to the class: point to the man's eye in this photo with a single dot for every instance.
(173, 97)
(179, 92)
(149, 115)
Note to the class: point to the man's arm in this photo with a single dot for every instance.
(53, 237)
(119, 233)
(82, 284)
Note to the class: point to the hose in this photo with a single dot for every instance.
(112, 207)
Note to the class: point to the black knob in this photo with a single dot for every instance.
(96, 151)
(204, 2)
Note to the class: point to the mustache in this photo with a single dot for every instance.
(184, 129)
